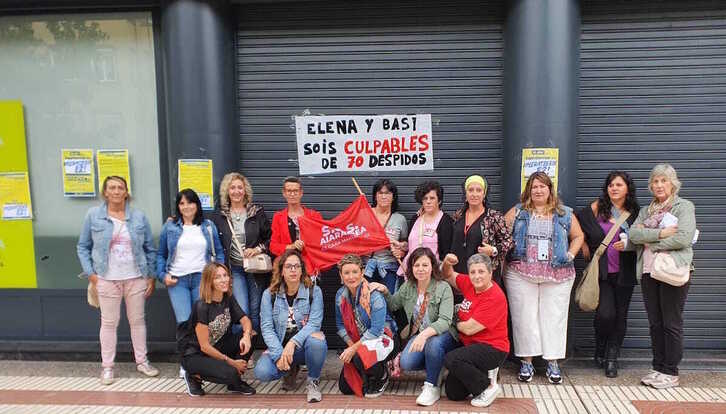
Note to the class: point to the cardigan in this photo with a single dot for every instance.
(678, 245)
(594, 235)
(444, 233)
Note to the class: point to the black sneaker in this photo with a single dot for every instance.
(241, 388)
(194, 386)
(377, 391)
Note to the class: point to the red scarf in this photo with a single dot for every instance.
(350, 372)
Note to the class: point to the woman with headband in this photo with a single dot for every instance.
(479, 228)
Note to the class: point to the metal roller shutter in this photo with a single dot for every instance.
(653, 89)
(443, 58)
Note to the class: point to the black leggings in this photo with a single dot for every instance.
(214, 370)
(612, 312)
(468, 369)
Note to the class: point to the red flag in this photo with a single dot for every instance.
(355, 230)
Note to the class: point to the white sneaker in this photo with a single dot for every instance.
(107, 376)
(429, 395)
(648, 379)
(664, 381)
(182, 371)
(487, 397)
(147, 369)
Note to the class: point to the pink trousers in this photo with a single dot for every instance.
(110, 293)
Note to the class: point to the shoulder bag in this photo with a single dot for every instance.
(667, 271)
(587, 294)
(259, 263)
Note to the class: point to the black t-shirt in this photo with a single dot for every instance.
(218, 316)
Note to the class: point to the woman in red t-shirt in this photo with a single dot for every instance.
(482, 326)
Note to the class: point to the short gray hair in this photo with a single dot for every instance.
(480, 258)
(665, 170)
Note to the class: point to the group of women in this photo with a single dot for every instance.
(433, 299)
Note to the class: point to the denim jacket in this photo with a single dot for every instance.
(95, 240)
(375, 323)
(169, 237)
(560, 236)
(273, 320)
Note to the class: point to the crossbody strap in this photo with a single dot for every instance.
(234, 237)
(609, 237)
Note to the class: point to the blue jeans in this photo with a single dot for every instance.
(184, 294)
(312, 354)
(431, 358)
(248, 293)
(374, 272)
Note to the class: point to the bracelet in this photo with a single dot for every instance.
(494, 251)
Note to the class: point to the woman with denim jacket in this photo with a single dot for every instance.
(186, 245)
(668, 224)
(292, 316)
(244, 231)
(117, 254)
(428, 303)
(365, 327)
(540, 274)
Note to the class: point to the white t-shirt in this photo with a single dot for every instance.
(121, 263)
(191, 251)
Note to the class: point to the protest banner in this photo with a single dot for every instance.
(540, 159)
(327, 144)
(113, 162)
(355, 230)
(197, 175)
(78, 173)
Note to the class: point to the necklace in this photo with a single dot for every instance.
(237, 215)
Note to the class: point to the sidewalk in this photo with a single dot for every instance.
(73, 387)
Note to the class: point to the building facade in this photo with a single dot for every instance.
(612, 84)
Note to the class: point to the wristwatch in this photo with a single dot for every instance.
(494, 251)
(570, 257)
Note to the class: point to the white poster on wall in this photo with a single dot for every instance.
(354, 143)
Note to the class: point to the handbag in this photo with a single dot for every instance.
(92, 295)
(412, 328)
(667, 271)
(259, 263)
(587, 294)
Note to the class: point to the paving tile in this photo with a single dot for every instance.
(680, 407)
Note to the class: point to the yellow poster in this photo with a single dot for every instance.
(197, 175)
(15, 196)
(540, 159)
(17, 247)
(113, 162)
(78, 174)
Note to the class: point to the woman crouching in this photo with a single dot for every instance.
(482, 326)
(210, 350)
(291, 316)
(363, 324)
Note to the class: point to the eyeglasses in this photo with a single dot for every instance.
(294, 266)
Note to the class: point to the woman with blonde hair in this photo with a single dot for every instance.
(245, 232)
(292, 317)
(540, 274)
(117, 254)
(666, 225)
(211, 350)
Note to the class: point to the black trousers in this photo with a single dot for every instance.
(468, 369)
(611, 318)
(214, 370)
(372, 378)
(664, 305)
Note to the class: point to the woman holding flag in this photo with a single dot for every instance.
(362, 323)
